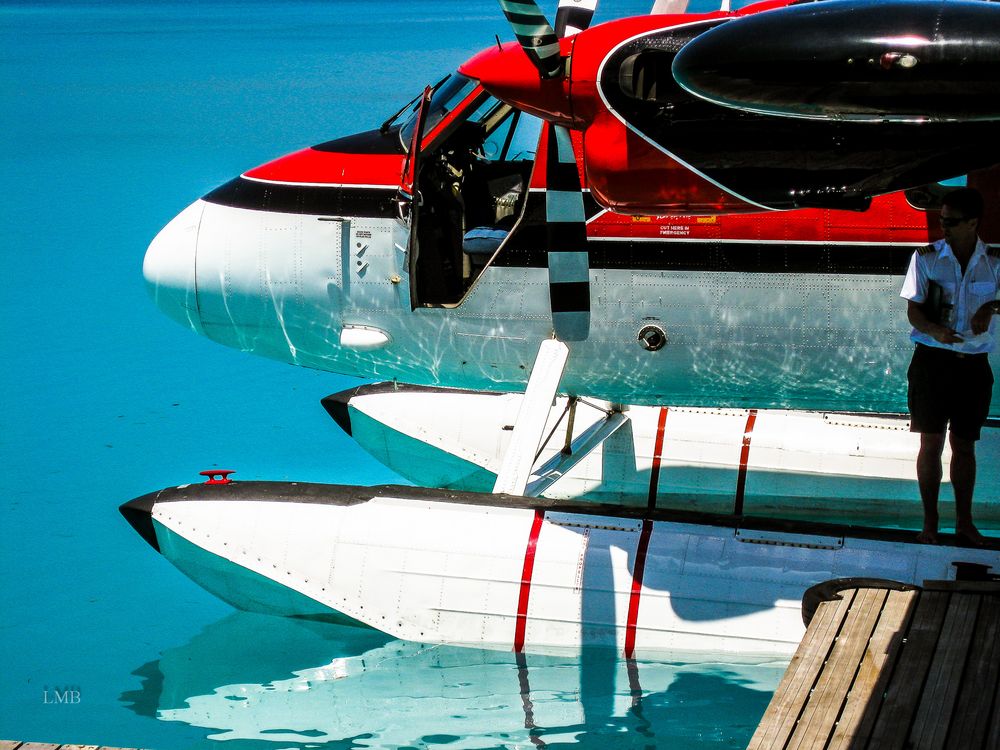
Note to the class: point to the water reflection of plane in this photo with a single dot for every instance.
(248, 677)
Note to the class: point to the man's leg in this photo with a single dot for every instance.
(929, 474)
(963, 480)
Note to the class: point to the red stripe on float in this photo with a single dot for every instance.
(654, 474)
(529, 565)
(741, 481)
(634, 686)
(633, 602)
(647, 527)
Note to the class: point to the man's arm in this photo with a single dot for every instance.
(915, 314)
(980, 322)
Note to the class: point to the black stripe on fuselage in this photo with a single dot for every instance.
(322, 200)
(527, 248)
(721, 257)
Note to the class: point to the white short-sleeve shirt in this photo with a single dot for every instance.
(979, 285)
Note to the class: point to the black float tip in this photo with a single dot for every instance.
(139, 514)
(336, 406)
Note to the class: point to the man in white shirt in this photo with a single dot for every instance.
(950, 380)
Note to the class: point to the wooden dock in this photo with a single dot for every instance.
(12, 745)
(882, 668)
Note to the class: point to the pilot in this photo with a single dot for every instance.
(951, 288)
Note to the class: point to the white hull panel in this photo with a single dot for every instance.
(814, 465)
(503, 572)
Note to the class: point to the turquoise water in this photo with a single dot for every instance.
(114, 117)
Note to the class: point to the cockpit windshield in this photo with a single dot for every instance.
(447, 94)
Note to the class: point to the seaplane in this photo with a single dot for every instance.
(632, 293)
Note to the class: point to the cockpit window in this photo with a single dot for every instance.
(447, 94)
(928, 197)
(514, 138)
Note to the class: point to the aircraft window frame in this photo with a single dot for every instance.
(928, 197)
(451, 91)
(497, 140)
(503, 116)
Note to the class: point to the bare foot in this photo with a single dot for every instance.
(970, 535)
(928, 536)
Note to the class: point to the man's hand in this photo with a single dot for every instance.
(980, 322)
(938, 332)
(944, 334)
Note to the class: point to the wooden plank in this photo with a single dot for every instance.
(38, 746)
(979, 685)
(893, 669)
(830, 692)
(793, 691)
(83, 747)
(993, 735)
(9, 745)
(930, 727)
(861, 707)
(892, 726)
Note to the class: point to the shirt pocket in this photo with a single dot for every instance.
(982, 292)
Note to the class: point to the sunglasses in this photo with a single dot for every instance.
(951, 221)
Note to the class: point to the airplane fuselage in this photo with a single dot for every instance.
(802, 323)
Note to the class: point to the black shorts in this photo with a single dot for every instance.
(945, 387)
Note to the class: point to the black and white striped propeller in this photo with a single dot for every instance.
(569, 267)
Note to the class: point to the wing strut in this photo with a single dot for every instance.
(526, 442)
(531, 417)
(561, 463)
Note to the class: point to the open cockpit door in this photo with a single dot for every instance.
(408, 196)
(469, 185)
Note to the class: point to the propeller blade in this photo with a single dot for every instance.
(569, 265)
(574, 16)
(565, 217)
(536, 36)
(669, 7)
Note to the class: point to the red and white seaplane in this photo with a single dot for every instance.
(661, 258)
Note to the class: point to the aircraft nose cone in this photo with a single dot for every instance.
(169, 267)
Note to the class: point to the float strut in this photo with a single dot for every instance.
(531, 418)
